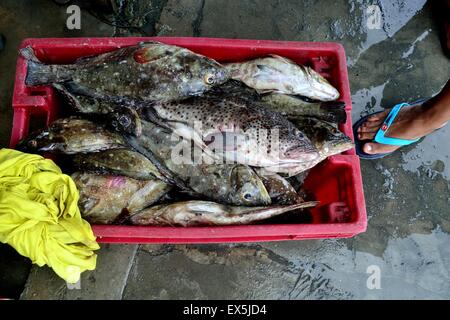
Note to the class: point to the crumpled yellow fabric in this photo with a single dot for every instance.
(39, 215)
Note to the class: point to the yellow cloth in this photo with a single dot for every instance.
(39, 215)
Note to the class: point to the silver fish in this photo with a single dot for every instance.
(279, 74)
(200, 213)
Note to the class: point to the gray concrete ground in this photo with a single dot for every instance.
(407, 194)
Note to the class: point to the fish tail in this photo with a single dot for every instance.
(70, 98)
(269, 212)
(335, 110)
(37, 72)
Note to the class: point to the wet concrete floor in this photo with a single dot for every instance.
(396, 58)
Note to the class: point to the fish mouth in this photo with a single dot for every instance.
(326, 92)
(297, 154)
(341, 147)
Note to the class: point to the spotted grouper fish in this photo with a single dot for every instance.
(149, 71)
(233, 184)
(237, 130)
(278, 74)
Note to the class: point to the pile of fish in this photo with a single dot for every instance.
(159, 135)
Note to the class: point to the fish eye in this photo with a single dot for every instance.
(247, 196)
(208, 78)
(124, 121)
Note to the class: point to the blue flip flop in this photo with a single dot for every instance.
(380, 135)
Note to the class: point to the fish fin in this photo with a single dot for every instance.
(77, 89)
(37, 72)
(335, 111)
(333, 104)
(265, 91)
(152, 51)
(284, 59)
(141, 43)
(116, 55)
(28, 54)
(276, 56)
(150, 114)
(167, 175)
(263, 68)
(123, 119)
(70, 98)
(146, 196)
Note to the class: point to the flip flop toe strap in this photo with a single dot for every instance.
(380, 136)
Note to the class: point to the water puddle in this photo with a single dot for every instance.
(389, 179)
(394, 16)
(410, 50)
(367, 100)
(397, 14)
(431, 154)
(411, 267)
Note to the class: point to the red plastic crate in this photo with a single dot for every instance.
(336, 182)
